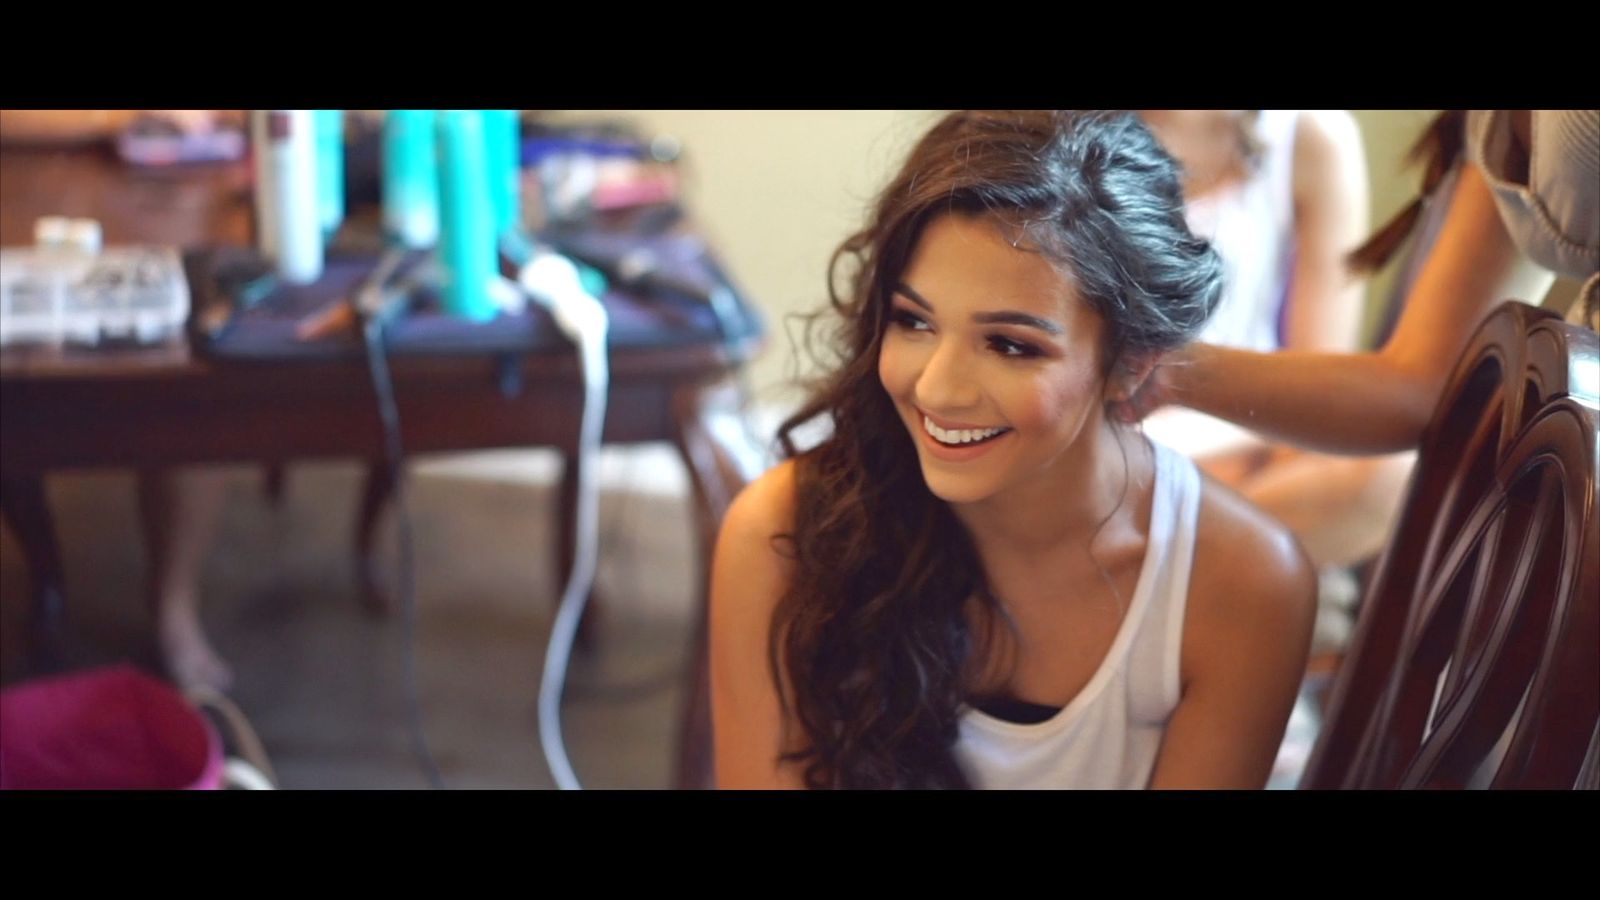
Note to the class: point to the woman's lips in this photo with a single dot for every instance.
(957, 452)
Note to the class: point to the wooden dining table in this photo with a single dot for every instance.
(69, 408)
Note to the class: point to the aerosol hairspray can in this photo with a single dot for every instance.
(286, 192)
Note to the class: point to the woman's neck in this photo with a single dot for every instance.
(1082, 495)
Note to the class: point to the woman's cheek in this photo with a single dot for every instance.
(1050, 399)
(900, 362)
(890, 366)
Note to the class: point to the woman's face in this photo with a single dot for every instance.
(992, 359)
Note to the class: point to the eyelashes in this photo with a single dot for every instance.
(1013, 349)
(908, 320)
(1008, 348)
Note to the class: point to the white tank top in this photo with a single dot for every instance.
(1251, 225)
(1108, 736)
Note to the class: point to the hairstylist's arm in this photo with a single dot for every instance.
(62, 126)
(1373, 402)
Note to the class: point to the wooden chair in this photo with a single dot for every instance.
(724, 458)
(1476, 658)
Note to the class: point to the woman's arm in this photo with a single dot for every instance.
(62, 126)
(74, 126)
(748, 576)
(1330, 219)
(1373, 402)
(1323, 309)
(1328, 190)
(1246, 635)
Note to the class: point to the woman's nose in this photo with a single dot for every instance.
(945, 384)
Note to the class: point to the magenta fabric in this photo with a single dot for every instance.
(112, 728)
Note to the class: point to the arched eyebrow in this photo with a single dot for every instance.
(1000, 317)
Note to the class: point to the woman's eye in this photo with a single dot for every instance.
(1007, 347)
(908, 320)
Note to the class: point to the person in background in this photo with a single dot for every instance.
(181, 506)
(1522, 204)
(1282, 195)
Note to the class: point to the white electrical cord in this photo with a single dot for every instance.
(553, 281)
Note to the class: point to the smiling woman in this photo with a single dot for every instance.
(1008, 355)
(979, 579)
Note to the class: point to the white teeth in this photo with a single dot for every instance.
(958, 435)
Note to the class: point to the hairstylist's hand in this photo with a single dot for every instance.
(1159, 388)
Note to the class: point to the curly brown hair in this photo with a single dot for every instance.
(873, 631)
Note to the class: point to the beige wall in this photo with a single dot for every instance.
(778, 190)
(1388, 135)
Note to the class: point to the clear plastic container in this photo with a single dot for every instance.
(63, 294)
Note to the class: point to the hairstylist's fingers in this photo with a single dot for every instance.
(1152, 394)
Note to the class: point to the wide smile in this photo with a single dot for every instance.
(958, 444)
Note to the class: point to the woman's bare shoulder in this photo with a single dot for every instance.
(765, 507)
(1247, 630)
(1250, 575)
